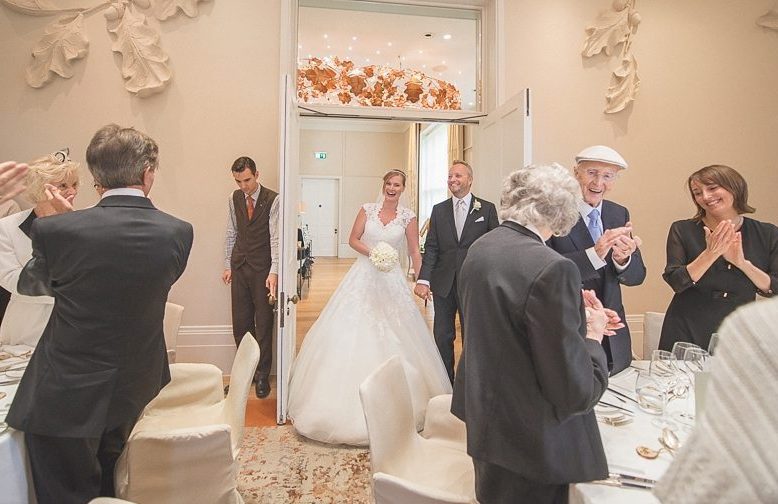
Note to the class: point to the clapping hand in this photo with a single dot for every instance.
(11, 179)
(734, 254)
(625, 245)
(719, 240)
(600, 321)
(610, 238)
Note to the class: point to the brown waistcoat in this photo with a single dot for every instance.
(252, 244)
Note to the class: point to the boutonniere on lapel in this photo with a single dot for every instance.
(476, 206)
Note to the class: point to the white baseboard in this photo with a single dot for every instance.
(213, 344)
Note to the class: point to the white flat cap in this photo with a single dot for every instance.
(602, 154)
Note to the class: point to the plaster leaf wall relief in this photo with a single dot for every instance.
(613, 33)
(769, 20)
(144, 63)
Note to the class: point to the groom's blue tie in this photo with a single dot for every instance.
(595, 228)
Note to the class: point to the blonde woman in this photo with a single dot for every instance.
(26, 316)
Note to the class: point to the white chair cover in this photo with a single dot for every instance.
(170, 325)
(408, 468)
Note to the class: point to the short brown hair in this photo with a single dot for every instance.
(726, 177)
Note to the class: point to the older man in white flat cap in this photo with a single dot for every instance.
(602, 245)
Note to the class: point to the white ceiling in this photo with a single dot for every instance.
(397, 40)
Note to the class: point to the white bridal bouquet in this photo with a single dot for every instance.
(384, 257)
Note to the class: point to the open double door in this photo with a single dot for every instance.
(502, 143)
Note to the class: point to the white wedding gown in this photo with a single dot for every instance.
(371, 316)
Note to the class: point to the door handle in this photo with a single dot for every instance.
(293, 299)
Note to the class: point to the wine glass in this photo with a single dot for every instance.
(714, 341)
(650, 393)
(679, 348)
(664, 370)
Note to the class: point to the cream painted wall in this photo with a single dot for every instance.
(221, 103)
(359, 159)
(708, 95)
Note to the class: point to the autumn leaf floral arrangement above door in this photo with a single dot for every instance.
(144, 63)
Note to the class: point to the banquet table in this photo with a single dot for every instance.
(15, 479)
(620, 443)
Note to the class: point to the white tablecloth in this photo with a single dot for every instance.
(620, 443)
(15, 479)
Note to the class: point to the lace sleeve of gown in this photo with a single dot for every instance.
(371, 209)
(404, 216)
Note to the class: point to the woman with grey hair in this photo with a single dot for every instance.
(533, 367)
(27, 316)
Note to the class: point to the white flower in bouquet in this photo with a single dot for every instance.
(384, 256)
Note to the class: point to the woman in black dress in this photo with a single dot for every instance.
(718, 259)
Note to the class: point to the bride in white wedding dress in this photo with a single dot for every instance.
(371, 316)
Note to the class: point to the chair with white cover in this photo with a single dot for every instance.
(190, 455)
(440, 424)
(408, 468)
(170, 325)
(108, 500)
(652, 330)
(191, 384)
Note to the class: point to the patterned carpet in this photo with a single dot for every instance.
(278, 466)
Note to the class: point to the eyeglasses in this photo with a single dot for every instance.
(607, 176)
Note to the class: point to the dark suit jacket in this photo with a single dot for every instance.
(528, 378)
(102, 356)
(606, 282)
(443, 253)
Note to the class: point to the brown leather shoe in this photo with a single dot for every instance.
(262, 388)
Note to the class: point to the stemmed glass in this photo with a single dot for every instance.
(714, 341)
(680, 347)
(663, 369)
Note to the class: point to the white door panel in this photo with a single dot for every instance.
(503, 143)
(319, 201)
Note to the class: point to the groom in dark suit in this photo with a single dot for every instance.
(454, 225)
(601, 244)
(102, 356)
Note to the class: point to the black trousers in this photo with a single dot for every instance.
(252, 313)
(496, 485)
(75, 470)
(444, 327)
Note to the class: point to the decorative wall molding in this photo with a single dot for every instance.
(769, 20)
(144, 63)
(612, 29)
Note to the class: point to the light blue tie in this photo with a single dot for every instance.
(595, 228)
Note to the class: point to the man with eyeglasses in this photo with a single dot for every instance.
(601, 243)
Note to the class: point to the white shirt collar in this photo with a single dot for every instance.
(585, 209)
(255, 194)
(468, 197)
(123, 191)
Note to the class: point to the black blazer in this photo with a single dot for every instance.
(607, 281)
(528, 378)
(443, 252)
(102, 356)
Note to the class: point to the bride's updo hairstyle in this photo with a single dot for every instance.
(394, 173)
(542, 196)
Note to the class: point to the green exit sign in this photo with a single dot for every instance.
(320, 155)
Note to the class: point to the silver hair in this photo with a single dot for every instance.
(544, 196)
(118, 157)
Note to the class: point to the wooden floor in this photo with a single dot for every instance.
(327, 274)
